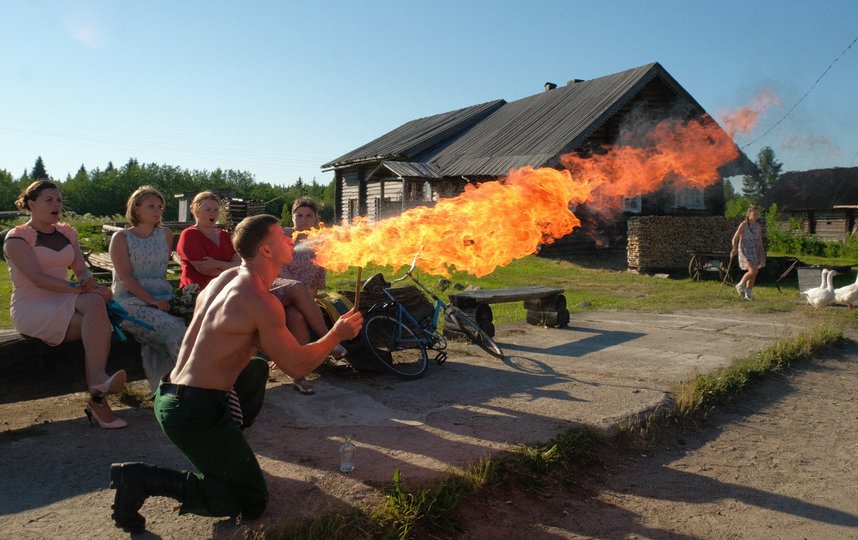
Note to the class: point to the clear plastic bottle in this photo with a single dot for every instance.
(347, 455)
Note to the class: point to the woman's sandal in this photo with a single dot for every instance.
(304, 387)
(99, 410)
(114, 384)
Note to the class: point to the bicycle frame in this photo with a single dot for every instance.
(403, 316)
(428, 335)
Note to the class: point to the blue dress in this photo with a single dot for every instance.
(159, 348)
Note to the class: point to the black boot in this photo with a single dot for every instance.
(134, 482)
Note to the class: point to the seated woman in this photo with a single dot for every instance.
(205, 249)
(299, 283)
(45, 306)
(140, 255)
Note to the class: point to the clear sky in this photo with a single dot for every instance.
(278, 88)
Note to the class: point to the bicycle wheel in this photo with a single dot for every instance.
(471, 329)
(396, 347)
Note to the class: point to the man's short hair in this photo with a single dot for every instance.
(250, 232)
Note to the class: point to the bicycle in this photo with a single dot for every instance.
(400, 342)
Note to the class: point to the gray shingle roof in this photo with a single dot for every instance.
(492, 138)
(416, 136)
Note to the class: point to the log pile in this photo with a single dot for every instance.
(664, 242)
(550, 311)
(237, 209)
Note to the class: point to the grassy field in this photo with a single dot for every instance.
(589, 288)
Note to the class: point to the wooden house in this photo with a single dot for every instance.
(434, 157)
(824, 201)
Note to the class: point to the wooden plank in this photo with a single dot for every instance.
(34, 370)
(494, 296)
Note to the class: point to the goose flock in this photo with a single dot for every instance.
(826, 294)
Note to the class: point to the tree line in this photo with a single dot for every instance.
(104, 192)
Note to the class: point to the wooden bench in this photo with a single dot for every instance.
(33, 370)
(546, 306)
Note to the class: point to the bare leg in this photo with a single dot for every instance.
(91, 325)
(301, 299)
(751, 276)
(297, 324)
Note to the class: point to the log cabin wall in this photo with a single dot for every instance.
(350, 195)
(831, 224)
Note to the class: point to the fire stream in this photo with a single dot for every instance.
(493, 223)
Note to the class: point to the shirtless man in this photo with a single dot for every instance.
(235, 316)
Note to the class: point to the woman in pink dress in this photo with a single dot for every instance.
(204, 248)
(46, 306)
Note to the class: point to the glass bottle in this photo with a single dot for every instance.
(347, 455)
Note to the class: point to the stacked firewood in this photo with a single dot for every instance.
(237, 209)
(664, 242)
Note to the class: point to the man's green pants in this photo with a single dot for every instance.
(198, 421)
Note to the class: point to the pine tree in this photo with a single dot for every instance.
(39, 172)
(755, 186)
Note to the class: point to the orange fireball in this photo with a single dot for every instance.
(493, 223)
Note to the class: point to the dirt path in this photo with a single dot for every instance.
(781, 463)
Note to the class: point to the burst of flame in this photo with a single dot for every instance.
(493, 223)
(487, 226)
(687, 154)
(744, 119)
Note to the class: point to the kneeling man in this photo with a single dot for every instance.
(234, 317)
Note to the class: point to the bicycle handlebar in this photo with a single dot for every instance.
(410, 272)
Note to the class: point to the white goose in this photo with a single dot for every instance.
(822, 296)
(847, 295)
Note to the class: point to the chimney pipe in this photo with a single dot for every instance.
(573, 81)
(550, 86)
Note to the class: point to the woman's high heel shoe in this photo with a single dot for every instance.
(98, 409)
(114, 384)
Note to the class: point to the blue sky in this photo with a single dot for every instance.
(278, 88)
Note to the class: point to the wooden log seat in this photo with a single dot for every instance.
(546, 306)
(34, 370)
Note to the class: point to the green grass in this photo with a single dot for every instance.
(705, 392)
(587, 289)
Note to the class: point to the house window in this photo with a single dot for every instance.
(689, 198)
(353, 209)
(633, 205)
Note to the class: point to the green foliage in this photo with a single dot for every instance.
(38, 172)
(323, 194)
(433, 507)
(737, 207)
(9, 190)
(793, 241)
(756, 186)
